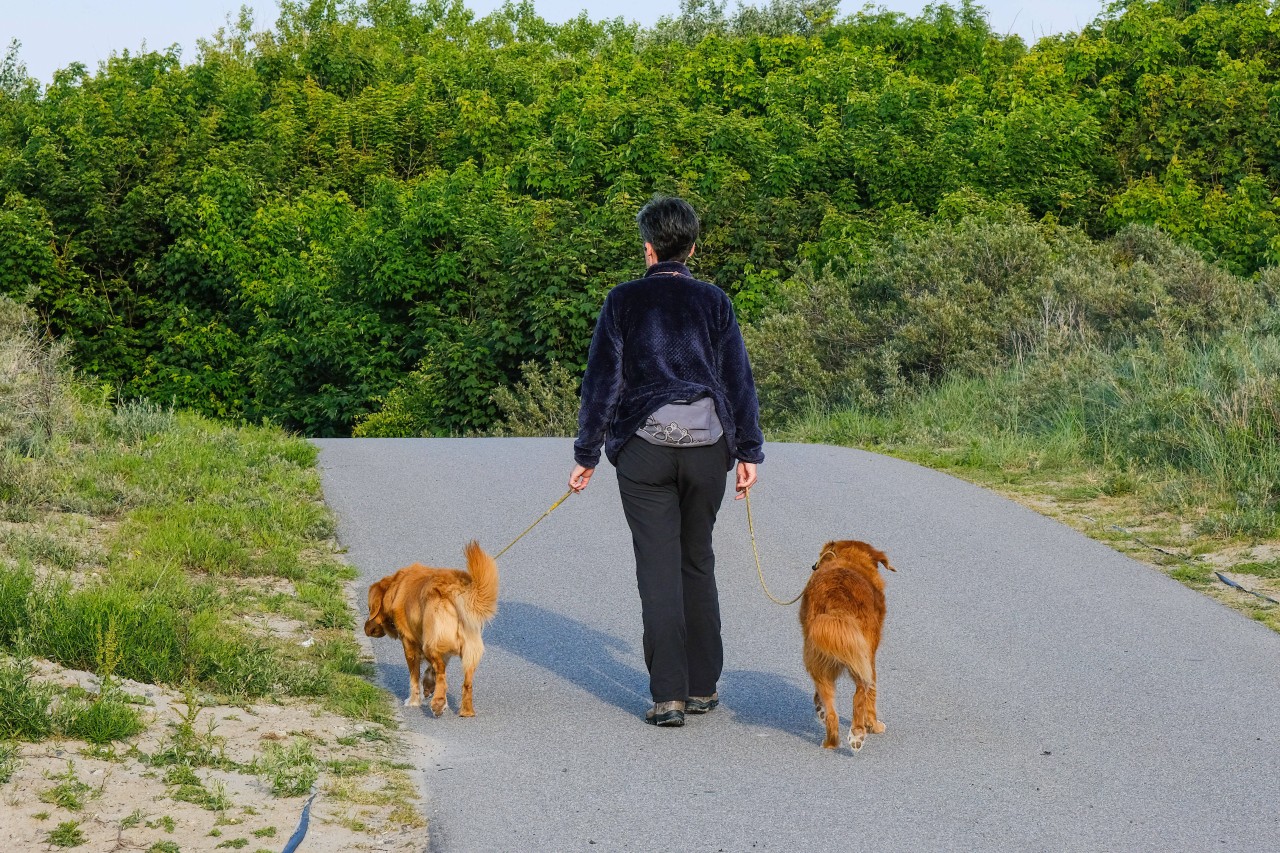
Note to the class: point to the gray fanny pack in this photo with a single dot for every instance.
(681, 424)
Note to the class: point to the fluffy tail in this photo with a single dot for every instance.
(481, 597)
(840, 638)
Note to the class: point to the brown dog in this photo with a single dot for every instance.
(841, 616)
(437, 614)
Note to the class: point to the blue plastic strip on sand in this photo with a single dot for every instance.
(1229, 582)
(301, 832)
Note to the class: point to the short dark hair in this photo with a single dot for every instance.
(669, 224)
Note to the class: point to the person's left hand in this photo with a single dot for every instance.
(746, 479)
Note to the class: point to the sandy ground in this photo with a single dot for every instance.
(127, 804)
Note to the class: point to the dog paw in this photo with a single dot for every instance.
(856, 739)
(437, 708)
(466, 712)
(877, 727)
(413, 702)
(831, 743)
(821, 714)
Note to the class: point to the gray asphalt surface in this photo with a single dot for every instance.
(1041, 692)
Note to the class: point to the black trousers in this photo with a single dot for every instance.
(671, 496)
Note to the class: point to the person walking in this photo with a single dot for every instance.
(669, 393)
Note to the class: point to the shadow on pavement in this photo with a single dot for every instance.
(576, 653)
(767, 699)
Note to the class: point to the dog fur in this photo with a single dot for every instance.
(437, 614)
(841, 615)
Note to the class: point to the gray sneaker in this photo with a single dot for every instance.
(666, 714)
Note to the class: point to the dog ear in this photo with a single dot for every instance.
(876, 555)
(376, 593)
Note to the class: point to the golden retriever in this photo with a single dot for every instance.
(841, 615)
(437, 614)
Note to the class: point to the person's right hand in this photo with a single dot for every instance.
(746, 479)
(580, 477)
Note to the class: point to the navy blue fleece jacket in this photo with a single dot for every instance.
(662, 338)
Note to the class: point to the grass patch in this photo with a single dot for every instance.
(66, 834)
(165, 822)
(105, 719)
(24, 705)
(70, 793)
(291, 770)
(1176, 446)
(187, 787)
(9, 760)
(1264, 569)
(189, 744)
(194, 508)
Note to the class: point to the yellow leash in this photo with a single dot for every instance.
(563, 498)
(760, 572)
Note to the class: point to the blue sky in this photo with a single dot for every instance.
(55, 33)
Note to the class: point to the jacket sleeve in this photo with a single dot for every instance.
(740, 389)
(601, 387)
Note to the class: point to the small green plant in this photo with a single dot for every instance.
(164, 847)
(66, 834)
(8, 761)
(349, 767)
(24, 705)
(265, 832)
(165, 822)
(42, 548)
(41, 815)
(137, 420)
(70, 793)
(134, 819)
(291, 770)
(233, 844)
(352, 696)
(185, 786)
(103, 720)
(187, 745)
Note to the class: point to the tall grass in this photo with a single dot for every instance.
(1014, 347)
(195, 509)
(1199, 422)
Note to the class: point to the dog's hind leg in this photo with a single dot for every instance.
(873, 719)
(437, 663)
(864, 712)
(413, 660)
(824, 699)
(428, 680)
(471, 653)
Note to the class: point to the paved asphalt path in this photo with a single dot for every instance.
(1041, 692)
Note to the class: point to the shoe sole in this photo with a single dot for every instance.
(699, 707)
(671, 719)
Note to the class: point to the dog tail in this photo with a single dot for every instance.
(481, 596)
(841, 638)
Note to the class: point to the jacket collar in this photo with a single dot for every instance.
(668, 268)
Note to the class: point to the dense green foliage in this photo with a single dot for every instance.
(1020, 348)
(299, 219)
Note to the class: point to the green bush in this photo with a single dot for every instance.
(24, 704)
(102, 719)
(291, 770)
(9, 761)
(962, 297)
(373, 213)
(1202, 420)
(542, 403)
